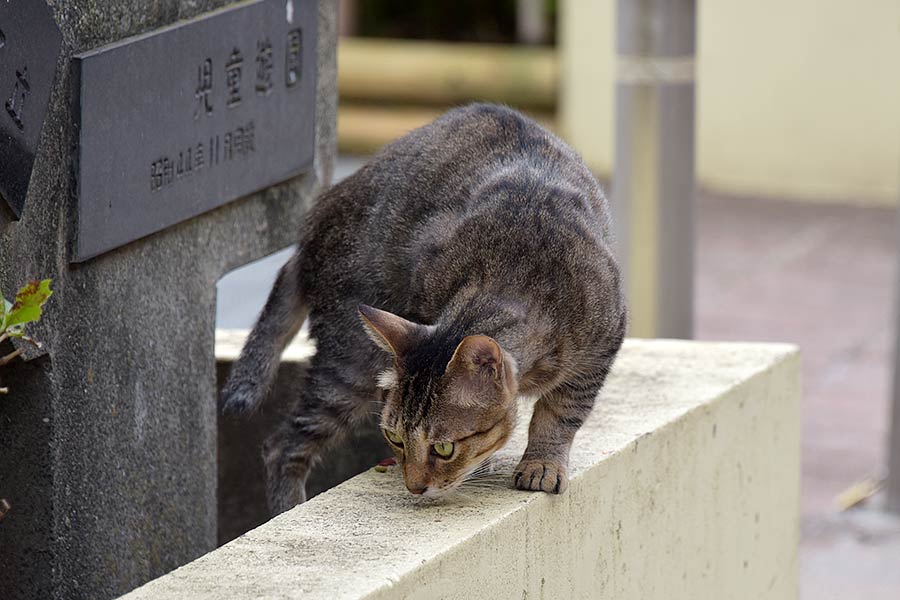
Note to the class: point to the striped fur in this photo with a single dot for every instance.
(485, 242)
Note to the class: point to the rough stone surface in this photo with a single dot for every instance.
(120, 418)
(26, 475)
(685, 484)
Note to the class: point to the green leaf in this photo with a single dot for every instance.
(5, 305)
(29, 300)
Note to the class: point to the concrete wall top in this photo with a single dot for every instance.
(684, 485)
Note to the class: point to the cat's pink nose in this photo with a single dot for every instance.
(417, 490)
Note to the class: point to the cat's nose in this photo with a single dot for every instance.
(416, 478)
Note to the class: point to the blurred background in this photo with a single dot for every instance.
(751, 151)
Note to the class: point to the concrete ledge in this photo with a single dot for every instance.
(685, 484)
(230, 341)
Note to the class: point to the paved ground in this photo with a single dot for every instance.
(819, 276)
(822, 277)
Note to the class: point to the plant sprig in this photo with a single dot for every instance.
(26, 308)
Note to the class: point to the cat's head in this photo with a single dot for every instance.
(449, 404)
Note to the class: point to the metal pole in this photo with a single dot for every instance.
(653, 177)
(347, 14)
(531, 26)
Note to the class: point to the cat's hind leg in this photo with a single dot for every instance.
(328, 406)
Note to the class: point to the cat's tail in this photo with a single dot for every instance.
(253, 374)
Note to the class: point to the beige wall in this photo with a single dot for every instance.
(795, 98)
(586, 108)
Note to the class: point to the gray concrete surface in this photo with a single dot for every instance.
(852, 554)
(112, 475)
(821, 276)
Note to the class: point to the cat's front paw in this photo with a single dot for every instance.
(541, 476)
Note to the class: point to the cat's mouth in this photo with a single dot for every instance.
(438, 492)
(471, 476)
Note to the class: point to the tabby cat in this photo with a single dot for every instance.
(484, 243)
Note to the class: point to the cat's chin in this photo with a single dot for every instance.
(441, 493)
(437, 493)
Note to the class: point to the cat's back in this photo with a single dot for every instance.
(425, 184)
(445, 172)
(466, 148)
(439, 165)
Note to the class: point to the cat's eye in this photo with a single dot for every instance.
(393, 438)
(443, 449)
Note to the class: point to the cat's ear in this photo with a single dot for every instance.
(392, 333)
(478, 355)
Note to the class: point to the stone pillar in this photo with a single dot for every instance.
(108, 436)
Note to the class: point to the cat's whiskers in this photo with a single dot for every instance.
(475, 485)
(487, 475)
(482, 467)
(477, 474)
(484, 474)
(487, 483)
(484, 477)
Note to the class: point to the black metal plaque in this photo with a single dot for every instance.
(182, 120)
(29, 49)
